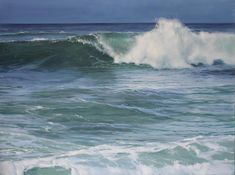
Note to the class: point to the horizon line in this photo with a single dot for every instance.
(105, 23)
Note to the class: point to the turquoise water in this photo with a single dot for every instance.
(95, 103)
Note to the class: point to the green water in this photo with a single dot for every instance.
(78, 105)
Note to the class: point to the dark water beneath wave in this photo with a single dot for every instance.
(80, 105)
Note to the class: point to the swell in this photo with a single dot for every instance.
(25, 33)
(52, 54)
(169, 45)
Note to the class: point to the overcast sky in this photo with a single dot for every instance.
(80, 11)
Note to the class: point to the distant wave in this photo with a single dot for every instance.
(169, 45)
(39, 39)
(26, 33)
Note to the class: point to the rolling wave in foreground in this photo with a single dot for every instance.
(122, 99)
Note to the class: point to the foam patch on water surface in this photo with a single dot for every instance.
(39, 39)
(213, 168)
(117, 160)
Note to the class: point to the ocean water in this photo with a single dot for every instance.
(121, 99)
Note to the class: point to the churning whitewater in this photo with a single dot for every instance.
(172, 45)
(120, 99)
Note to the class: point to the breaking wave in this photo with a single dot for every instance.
(169, 45)
(173, 45)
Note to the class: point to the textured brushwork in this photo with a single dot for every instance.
(120, 99)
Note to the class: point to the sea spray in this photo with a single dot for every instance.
(173, 45)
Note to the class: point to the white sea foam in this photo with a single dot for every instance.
(111, 157)
(212, 168)
(172, 45)
(39, 39)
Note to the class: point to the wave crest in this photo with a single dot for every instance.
(169, 45)
(173, 45)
